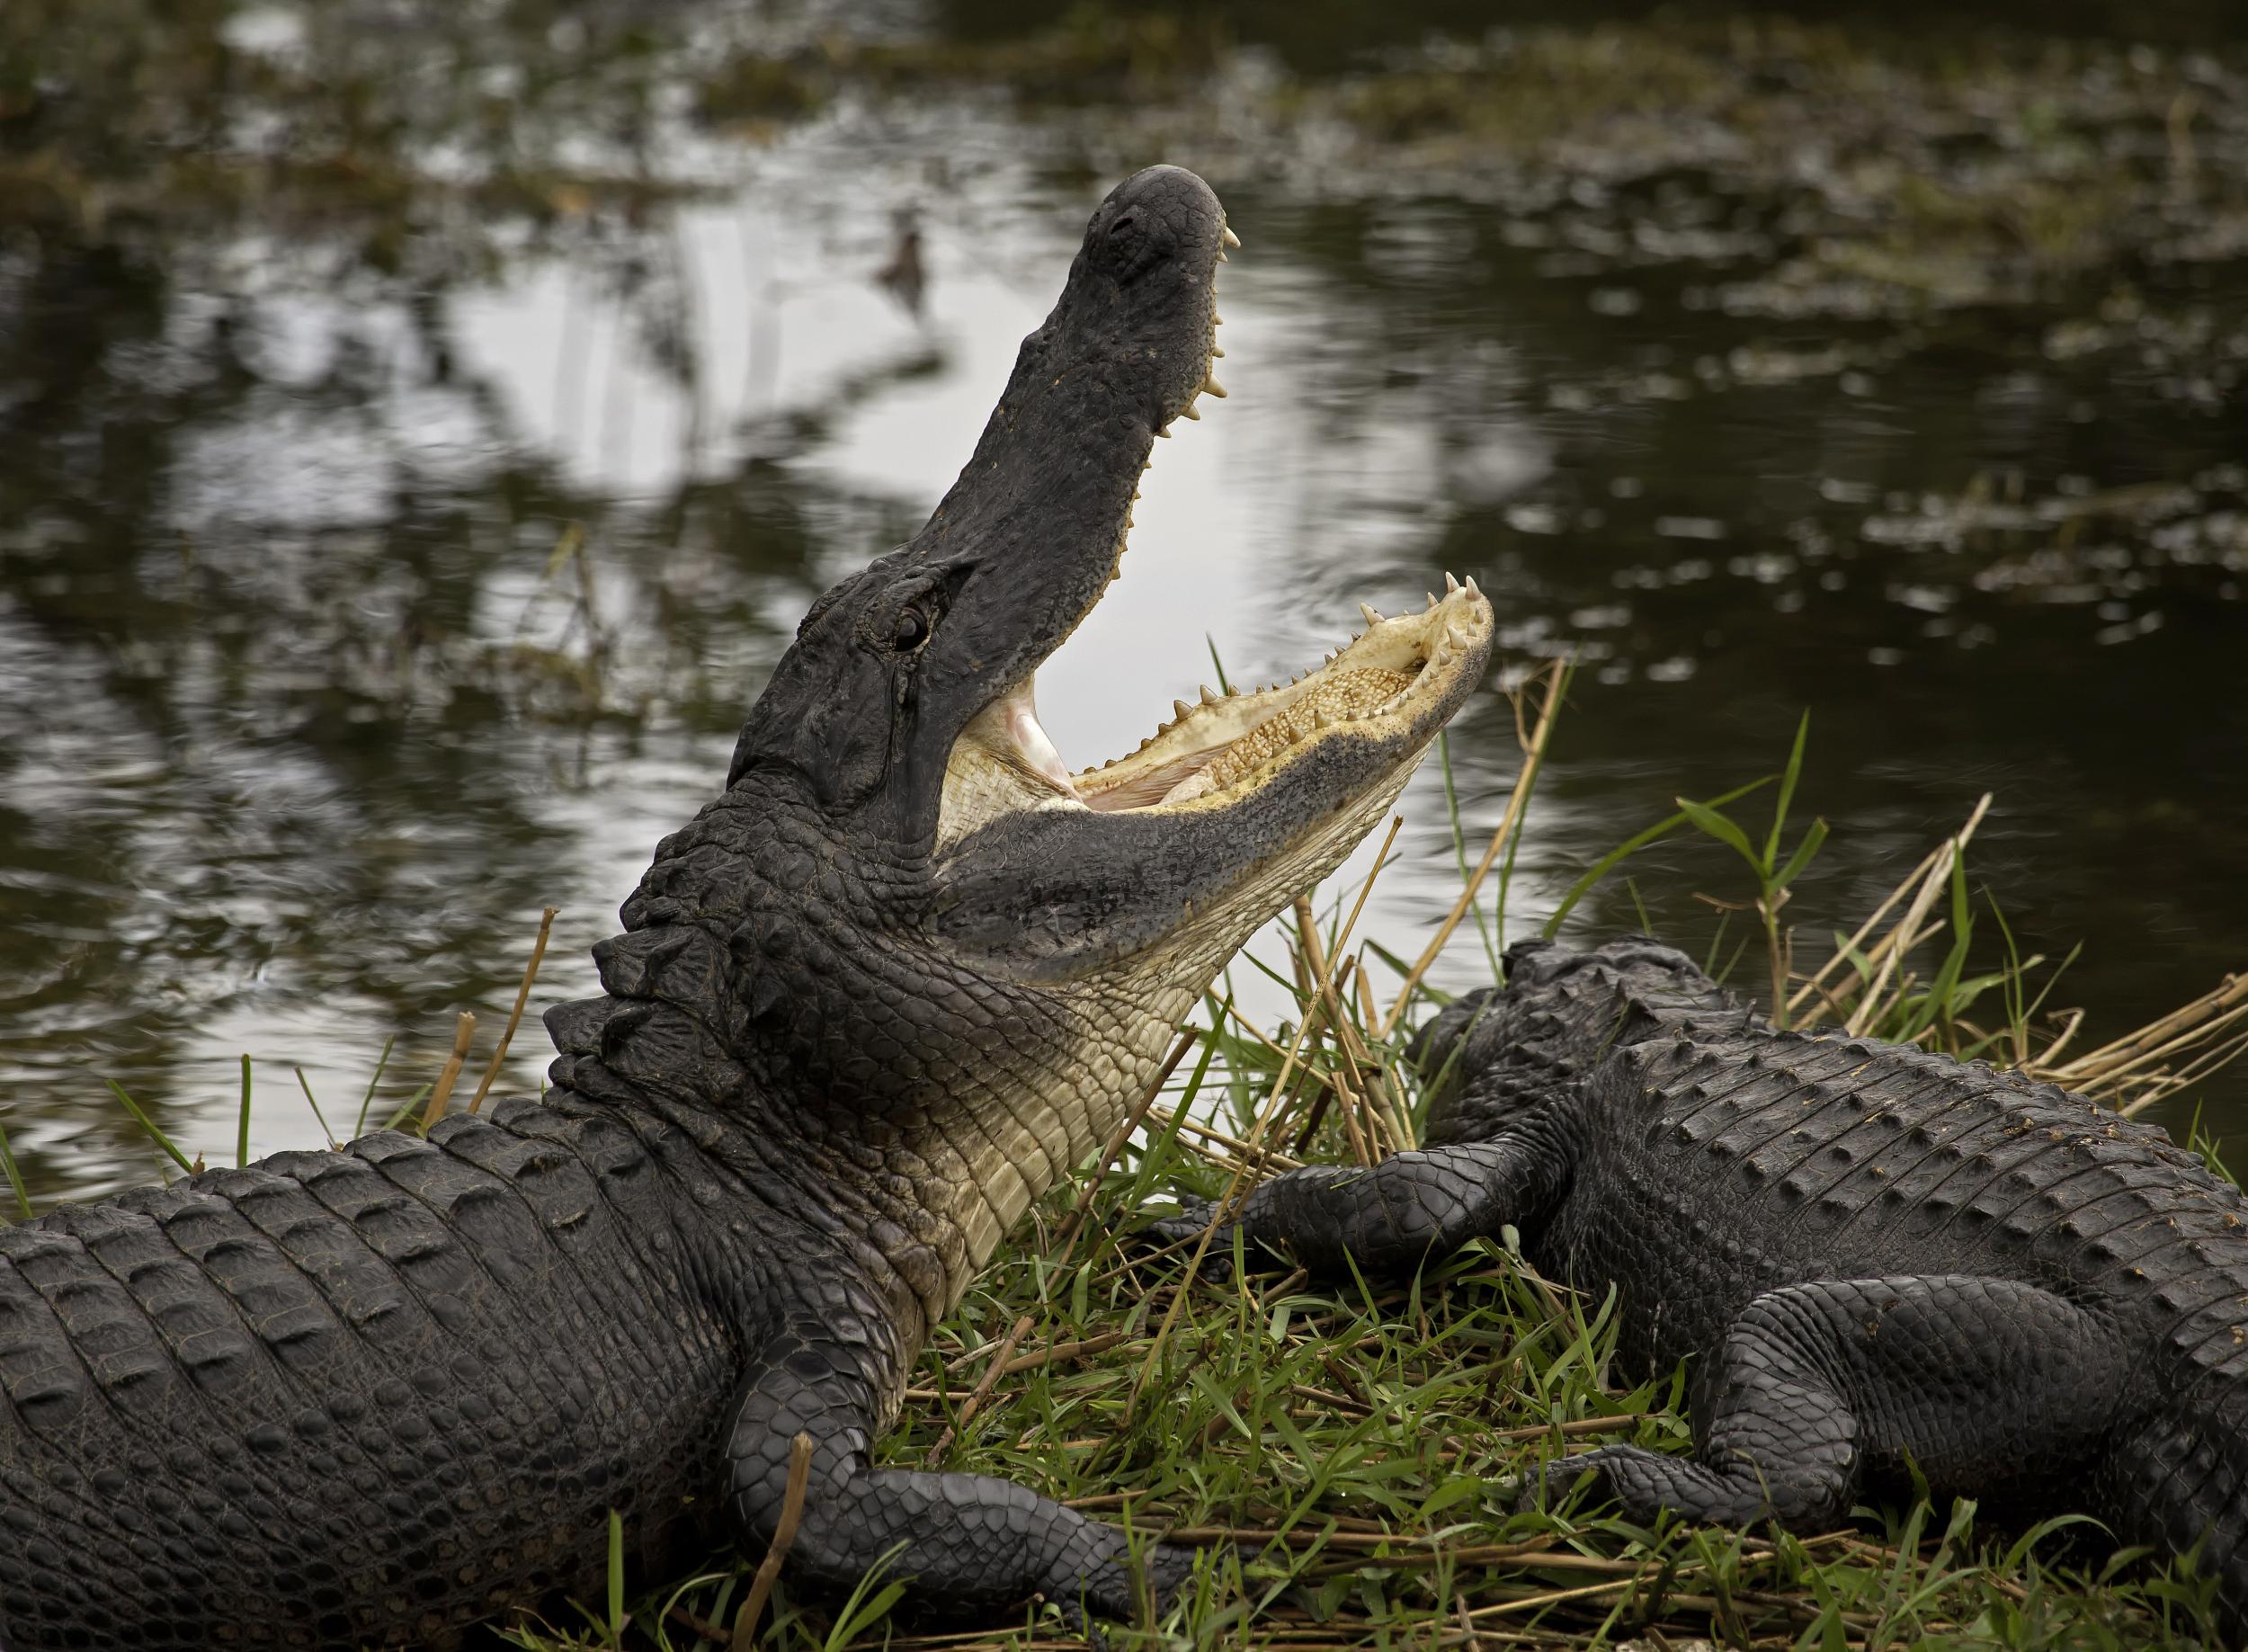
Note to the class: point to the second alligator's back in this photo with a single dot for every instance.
(1883, 1260)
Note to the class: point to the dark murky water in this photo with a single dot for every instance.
(314, 695)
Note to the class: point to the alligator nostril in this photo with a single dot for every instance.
(1122, 225)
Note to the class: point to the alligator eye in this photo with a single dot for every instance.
(913, 630)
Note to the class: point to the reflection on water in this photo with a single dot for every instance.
(391, 537)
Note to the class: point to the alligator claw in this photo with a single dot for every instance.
(1116, 1596)
(1186, 1229)
(1555, 1480)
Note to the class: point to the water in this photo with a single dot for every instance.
(305, 718)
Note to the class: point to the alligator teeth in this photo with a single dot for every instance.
(1164, 433)
(1432, 596)
(1181, 707)
(1214, 388)
(1209, 696)
(1215, 351)
(1371, 614)
(1451, 585)
(1188, 412)
(1473, 590)
(1228, 237)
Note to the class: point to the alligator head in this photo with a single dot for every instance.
(908, 941)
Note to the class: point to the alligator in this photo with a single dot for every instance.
(1881, 1261)
(891, 987)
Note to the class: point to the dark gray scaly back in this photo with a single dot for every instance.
(1879, 1258)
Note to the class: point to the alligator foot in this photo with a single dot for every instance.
(1647, 1484)
(1975, 1382)
(1114, 1592)
(972, 1545)
(1185, 1231)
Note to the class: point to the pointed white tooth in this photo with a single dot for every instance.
(1164, 433)
(1456, 638)
(1019, 715)
(1451, 585)
(1432, 596)
(1371, 614)
(1229, 237)
(1215, 351)
(1211, 386)
(1188, 412)
(1215, 319)
(1221, 257)
(1472, 588)
(1180, 708)
(1209, 695)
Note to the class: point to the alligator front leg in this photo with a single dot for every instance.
(1388, 1218)
(1979, 1383)
(971, 1544)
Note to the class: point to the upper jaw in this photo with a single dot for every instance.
(1393, 685)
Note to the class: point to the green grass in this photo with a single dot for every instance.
(1350, 1452)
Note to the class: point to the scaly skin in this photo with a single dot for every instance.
(1877, 1255)
(870, 1003)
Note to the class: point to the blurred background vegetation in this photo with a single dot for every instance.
(422, 425)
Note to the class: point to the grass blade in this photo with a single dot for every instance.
(15, 1176)
(242, 1124)
(1719, 826)
(368, 1100)
(305, 1084)
(149, 1125)
(1787, 778)
(406, 1112)
(1630, 846)
(1801, 858)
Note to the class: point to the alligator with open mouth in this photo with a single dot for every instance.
(901, 978)
(1883, 1261)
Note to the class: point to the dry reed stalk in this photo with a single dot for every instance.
(1312, 963)
(1251, 1029)
(1534, 757)
(2225, 1001)
(1066, 1240)
(515, 1015)
(2124, 1074)
(1231, 1200)
(1311, 955)
(1381, 1100)
(783, 1536)
(2066, 1036)
(1272, 1161)
(1055, 1354)
(993, 1371)
(463, 1030)
(1913, 878)
(1908, 933)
